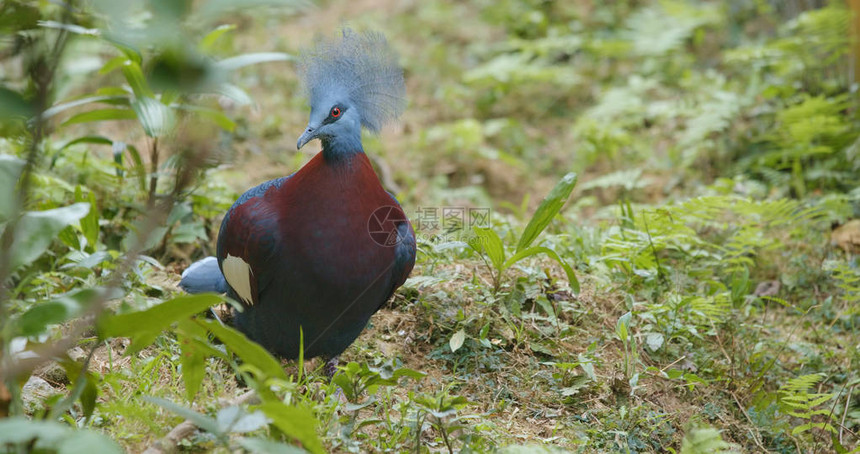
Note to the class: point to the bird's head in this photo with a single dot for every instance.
(351, 82)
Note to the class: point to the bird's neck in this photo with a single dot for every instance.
(341, 147)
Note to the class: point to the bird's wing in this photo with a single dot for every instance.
(203, 276)
(404, 254)
(248, 240)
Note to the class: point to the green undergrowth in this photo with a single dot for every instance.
(624, 212)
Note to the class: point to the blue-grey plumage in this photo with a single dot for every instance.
(352, 82)
(203, 276)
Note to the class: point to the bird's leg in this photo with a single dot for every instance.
(330, 367)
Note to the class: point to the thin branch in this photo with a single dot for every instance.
(845, 413)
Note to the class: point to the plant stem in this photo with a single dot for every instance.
(444, 435)
(418, 423)
(41, 71)
(153, 177)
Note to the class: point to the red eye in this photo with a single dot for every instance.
(335, 112)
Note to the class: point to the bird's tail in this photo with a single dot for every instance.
(203, 276)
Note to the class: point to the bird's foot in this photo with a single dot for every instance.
(330, 367)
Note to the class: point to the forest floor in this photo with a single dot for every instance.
(709, 303)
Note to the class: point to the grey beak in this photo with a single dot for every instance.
(306, 137)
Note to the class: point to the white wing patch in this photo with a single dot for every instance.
(238, 274)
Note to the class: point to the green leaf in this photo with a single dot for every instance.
(235, 93)
(10, 170)
(239, 61)
(410, 373)
(705, 439)
(89, 442)
(234, 419)
(112, 64)
(55, 311)
(72, 28)
(90, 222)
(251, 352)
(568, 270)
(69, 237)
(119, 92)
(549, 207)
(295, 422)
(148, 239)
(621, 327)
(101, 115)
(50, 434)
(262, 446)
(343, 381)
(156, 118)
(16, 430)
(134, 76)
(692, 379)
(144, 326)
(101, 140)
(181, 70)
(20, 16)
(223, 121)
(170, 11)
(137, 166)
(200, 420)
(208, 41)
(58, 108)
(488, 241)
(193, 357)
(37, 229)
(217, 8)
(654, 341)
(457, 340)
(588, 369)
(92, 260)
(131, 53)
(89, 395)
(13, 105)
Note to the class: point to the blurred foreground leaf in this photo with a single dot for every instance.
(37, 229)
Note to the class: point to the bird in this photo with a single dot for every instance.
(312, 256)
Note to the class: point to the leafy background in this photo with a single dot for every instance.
(669, 264)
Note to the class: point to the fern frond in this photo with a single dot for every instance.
(801, 383)
(796, 400)
(706, 440)
(715, 308)
(848, 280)
(654, 34)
